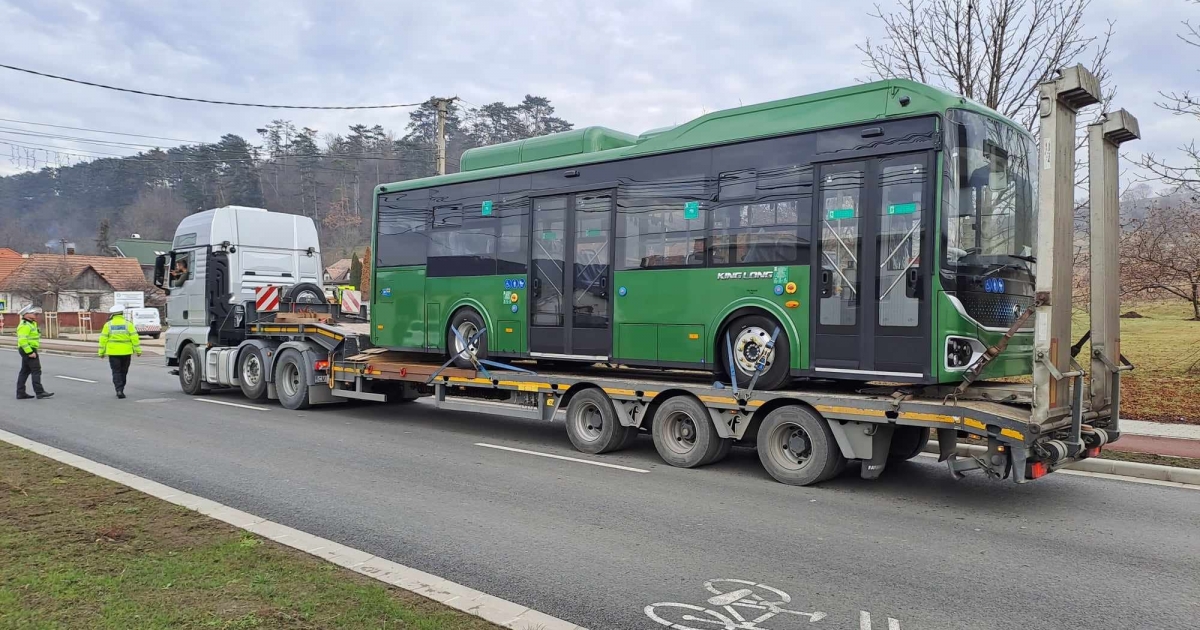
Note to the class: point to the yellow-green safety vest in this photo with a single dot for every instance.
(119, 338)
(29, 338)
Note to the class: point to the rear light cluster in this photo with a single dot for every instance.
(321, 365)
(1037, 470)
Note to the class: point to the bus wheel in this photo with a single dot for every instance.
(749, 336)
(467, 322)
(252, 374)
(684, 433)
(908, 442)
(189, 371)
(291, 381)
(797, 447)
(592, 423)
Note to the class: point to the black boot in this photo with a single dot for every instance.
(121, 394)
(44, 395)
(23, 396)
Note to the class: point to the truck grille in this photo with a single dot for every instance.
(995, 310)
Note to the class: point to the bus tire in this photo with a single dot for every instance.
(907, 443)
(252, 375)
(684, 434)
(467, 322)
(796, 447)
(190, 366)
(749, 335)
(291, 381)
(592, 423)
(305, 293)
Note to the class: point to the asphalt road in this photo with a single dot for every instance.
(597, 545)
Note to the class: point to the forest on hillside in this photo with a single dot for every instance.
(327, 176)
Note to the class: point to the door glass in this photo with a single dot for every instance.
(593, 216)
(549, 256)
(901, 187)
(840, 223)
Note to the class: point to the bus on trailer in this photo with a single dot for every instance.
(885, 230)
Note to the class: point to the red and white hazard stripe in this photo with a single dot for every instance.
(351, 301)
(266, 299)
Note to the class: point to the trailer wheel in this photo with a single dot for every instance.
(797, 447)
(749, 336)
(592, 423)
(189, 371)
(908, 442)
(291, 381)
(467, 322)
(723, 449)
(684, 434)
(305, 293)
(252, 373)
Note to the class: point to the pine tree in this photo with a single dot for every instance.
(356, 269)
(103, 239)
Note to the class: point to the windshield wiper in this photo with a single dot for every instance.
(1028, 259)
(1008, 266)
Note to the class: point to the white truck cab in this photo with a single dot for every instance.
(220, 256)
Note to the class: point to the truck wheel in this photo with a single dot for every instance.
(592, 423)
(684, 433)
(907, 443)
(155, 335)
(467, 322)
(252, 373)
(189, 371)
(305, 293)
(749, 336)
(797, 447)
(291, 381)
(723, 449)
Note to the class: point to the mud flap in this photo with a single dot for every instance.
(947, 443)
(881, 446)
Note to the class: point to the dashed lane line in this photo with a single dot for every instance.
(562, 457)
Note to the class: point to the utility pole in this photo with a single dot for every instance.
(443, 105)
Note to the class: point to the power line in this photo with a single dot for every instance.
(204, 100)
(114, 133)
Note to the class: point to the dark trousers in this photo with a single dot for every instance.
(120, 369)
(30, 366)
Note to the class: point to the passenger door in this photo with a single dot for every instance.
(571, 275)
(871, 283)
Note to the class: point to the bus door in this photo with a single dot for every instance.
(571, 276)
(871, 288)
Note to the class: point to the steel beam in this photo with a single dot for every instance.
(1059, 101)
(1104, 139)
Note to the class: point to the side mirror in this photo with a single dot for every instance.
(160, 271)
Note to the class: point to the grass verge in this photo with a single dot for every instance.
(83, 552)
(1148, 458)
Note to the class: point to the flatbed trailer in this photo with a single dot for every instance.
(804, 435)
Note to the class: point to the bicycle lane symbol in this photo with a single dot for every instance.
(736, 605)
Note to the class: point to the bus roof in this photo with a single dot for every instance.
(588, 145)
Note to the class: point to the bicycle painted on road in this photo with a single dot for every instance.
(735, 605)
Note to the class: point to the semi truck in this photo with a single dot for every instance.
(307, 352)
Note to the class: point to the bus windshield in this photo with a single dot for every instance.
(990, 217)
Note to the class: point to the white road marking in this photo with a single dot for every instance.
(72, 378)
(229, 404)
(864, 621)
(562, 457)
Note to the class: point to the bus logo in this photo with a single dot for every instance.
(745, 275)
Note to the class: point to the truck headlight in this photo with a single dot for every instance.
(962, 352)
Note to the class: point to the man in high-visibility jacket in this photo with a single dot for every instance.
(119, 341)
(29, 342)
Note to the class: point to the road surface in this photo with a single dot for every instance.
(598, 545)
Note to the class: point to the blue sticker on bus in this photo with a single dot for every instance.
(779, 289)
(518, 283)
(994, 285)
(386, 292)
(621, 291)
(514, 308)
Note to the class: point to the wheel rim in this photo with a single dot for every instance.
(308, 297)
(291, 379)
(679, 433)
(252, 370)
(188, 370)
(790, 446)
(589, 422)
(466, 330)
(749, 347)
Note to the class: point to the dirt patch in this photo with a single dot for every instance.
(1131, 315)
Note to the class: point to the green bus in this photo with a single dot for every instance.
(881, 232)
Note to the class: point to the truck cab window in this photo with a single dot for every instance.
(181, 270)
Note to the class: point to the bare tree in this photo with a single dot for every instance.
(995, 52)
(1160, 254)
(1183, 103)
(48, 282)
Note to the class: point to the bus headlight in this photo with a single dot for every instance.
(961, 352)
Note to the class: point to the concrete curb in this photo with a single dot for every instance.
(52, 347)
(498, 611)
(1137, 470)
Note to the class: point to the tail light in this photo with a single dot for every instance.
(1037, 470)
(321, 365)
(1093, 452)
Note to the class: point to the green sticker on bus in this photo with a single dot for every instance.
(902, 208)
(487, 208)
(549, 235)
(593, 233)
(841, 213)
(691, 210)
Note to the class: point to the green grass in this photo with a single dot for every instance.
(1148, 458)
(1162, 346)
(78, 551)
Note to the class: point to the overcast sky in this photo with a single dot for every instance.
(627, 64)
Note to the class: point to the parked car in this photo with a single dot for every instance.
(146, 321)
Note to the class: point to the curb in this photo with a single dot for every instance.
(1136, 470)
(49, 347)
(468, 600)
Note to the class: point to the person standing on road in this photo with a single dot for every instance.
(119, 341)
(29, 342)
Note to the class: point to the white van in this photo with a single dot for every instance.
(145, 321)
(220, 256)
